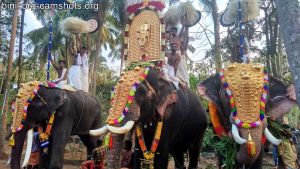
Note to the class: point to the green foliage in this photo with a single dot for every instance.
(208, 140)
(281, 131)
(194, 80)
(224, 146)
(294, 117)
(10, 98)
(103, 93)
(228, 149)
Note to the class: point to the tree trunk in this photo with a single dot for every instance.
(101, 15)
(289, 14)
(21, 45)
(216, 19)
(2, 71)
(281, 62)
(8, 73)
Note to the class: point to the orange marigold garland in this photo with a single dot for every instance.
(149, 155)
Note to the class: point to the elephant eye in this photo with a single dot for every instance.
(257, 68)
(231, 67)
(141, 90)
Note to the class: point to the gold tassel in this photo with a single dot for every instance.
(12, 140)
(251, 147)
(44, 137)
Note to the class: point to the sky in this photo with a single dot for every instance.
(32, 23)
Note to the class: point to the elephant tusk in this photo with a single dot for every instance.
(28, 148)
(236, 136)
(98, 132)
(8, 161)
(121, 130)
(271, 138)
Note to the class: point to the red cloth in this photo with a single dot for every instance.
(157, 4)
(91, 165)
(263, 139)
(34, 158)
(87, 164)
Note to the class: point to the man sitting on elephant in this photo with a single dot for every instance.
(173, 61)
(61, 72)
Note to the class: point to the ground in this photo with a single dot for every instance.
(75, 154)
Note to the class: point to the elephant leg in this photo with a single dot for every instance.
(178, 159)
(194, 150)
(161, 158)
(90, 143)
(44, 158)
(138, 155)
(60, 135)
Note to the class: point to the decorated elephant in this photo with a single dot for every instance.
(240, 98)
(166, 121)
(62, 113)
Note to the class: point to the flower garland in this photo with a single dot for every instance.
(149, 155)
(263, 102)
(130, 97)
(24, 108)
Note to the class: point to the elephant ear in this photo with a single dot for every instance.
(210, 89)
(162, 108)
(59, 97)
(281, 98)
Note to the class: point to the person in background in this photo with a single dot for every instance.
(84, 69)
(97, 160)
(62, 72)
(127, 160)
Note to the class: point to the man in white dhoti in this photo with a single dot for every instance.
(84, 69)
(173, 61)
(62, 73)
(75, 72)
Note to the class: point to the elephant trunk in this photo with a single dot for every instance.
(114, 154)
(243, 156)
(16, 150)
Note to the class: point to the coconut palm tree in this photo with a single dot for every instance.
(21, 45)
(6, 84)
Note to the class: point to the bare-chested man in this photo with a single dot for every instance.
(173, 61)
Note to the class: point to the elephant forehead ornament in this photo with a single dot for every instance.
(123, 94)
(19, 108)
(247, 88)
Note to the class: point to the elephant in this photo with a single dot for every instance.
(184, 123)
(76, 112)
(280, 100)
